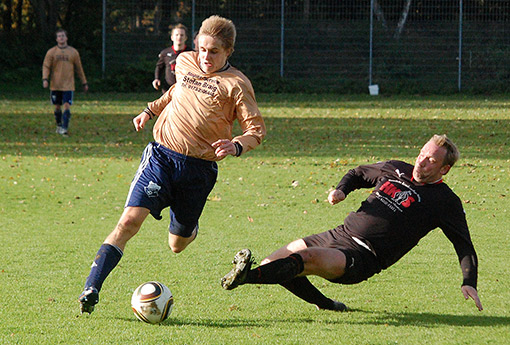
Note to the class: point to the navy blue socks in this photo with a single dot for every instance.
(107, 258)
(66, 118)
(58, 117)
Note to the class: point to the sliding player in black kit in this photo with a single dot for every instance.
(407, 203)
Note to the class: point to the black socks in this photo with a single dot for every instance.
(58, 117)
(276, 272)
(284, 272)
(304, 289)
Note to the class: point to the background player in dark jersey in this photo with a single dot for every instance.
(407, 203)
(164, 74)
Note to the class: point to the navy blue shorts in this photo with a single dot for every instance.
(166, 178)
(361, 263)
(61, 97)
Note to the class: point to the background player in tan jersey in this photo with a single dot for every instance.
(192, 132)
(60, 64)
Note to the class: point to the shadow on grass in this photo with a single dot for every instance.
(335, 101)
(374, 318)
(113, 136)
(432, 319)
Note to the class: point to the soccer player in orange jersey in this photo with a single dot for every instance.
(193, 131)
(60, 64)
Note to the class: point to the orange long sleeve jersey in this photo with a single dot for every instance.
(60, 64)
(200, 109)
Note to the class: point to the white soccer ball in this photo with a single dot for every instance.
(152, 302)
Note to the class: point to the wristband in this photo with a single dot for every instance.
(239, 149)
(149, 112)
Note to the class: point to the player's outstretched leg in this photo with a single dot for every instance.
(242, 265)
(275, 272)
(107, 257)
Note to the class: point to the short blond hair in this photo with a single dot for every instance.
(452, 152)
(220, 28)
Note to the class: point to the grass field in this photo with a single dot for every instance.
(60, 197)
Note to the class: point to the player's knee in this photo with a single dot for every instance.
(265, 261)
(176, 249)
(296, 246)
(177, 244)
(323, 262)
(307, 256)
(128, 227)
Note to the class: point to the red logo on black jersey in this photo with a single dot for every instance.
(400, 197)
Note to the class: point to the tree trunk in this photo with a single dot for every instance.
(7, 17)
(46, 14)
(19, 13)
(158, 12)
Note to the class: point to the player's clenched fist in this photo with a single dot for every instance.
(335, 196)
(140, 120)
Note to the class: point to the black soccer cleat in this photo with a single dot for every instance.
(88, 299)
(237, 276)
(336, 306)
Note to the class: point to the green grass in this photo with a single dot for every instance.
(60, 197)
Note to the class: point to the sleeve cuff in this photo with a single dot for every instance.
(239, 149)
(149, 112)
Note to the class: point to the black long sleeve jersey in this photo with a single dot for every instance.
(400, 211)
(166, 64)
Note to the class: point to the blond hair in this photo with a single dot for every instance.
(452, 152)
(220, 28)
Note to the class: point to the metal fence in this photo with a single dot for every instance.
(423, 46)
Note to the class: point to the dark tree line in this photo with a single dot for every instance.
(42, 17)
(27, 27)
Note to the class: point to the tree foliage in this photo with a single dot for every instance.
(27, 27)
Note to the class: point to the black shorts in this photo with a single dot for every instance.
(361, 263)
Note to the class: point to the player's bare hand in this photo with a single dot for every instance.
(223, 148)
(335, 196)
(156, 83)
(85, 88)
(140, 120)
(45, 84)
(469, 291)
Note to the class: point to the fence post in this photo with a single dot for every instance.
(371, 42)
(282, 37)
(459, 81)
(103, 43)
